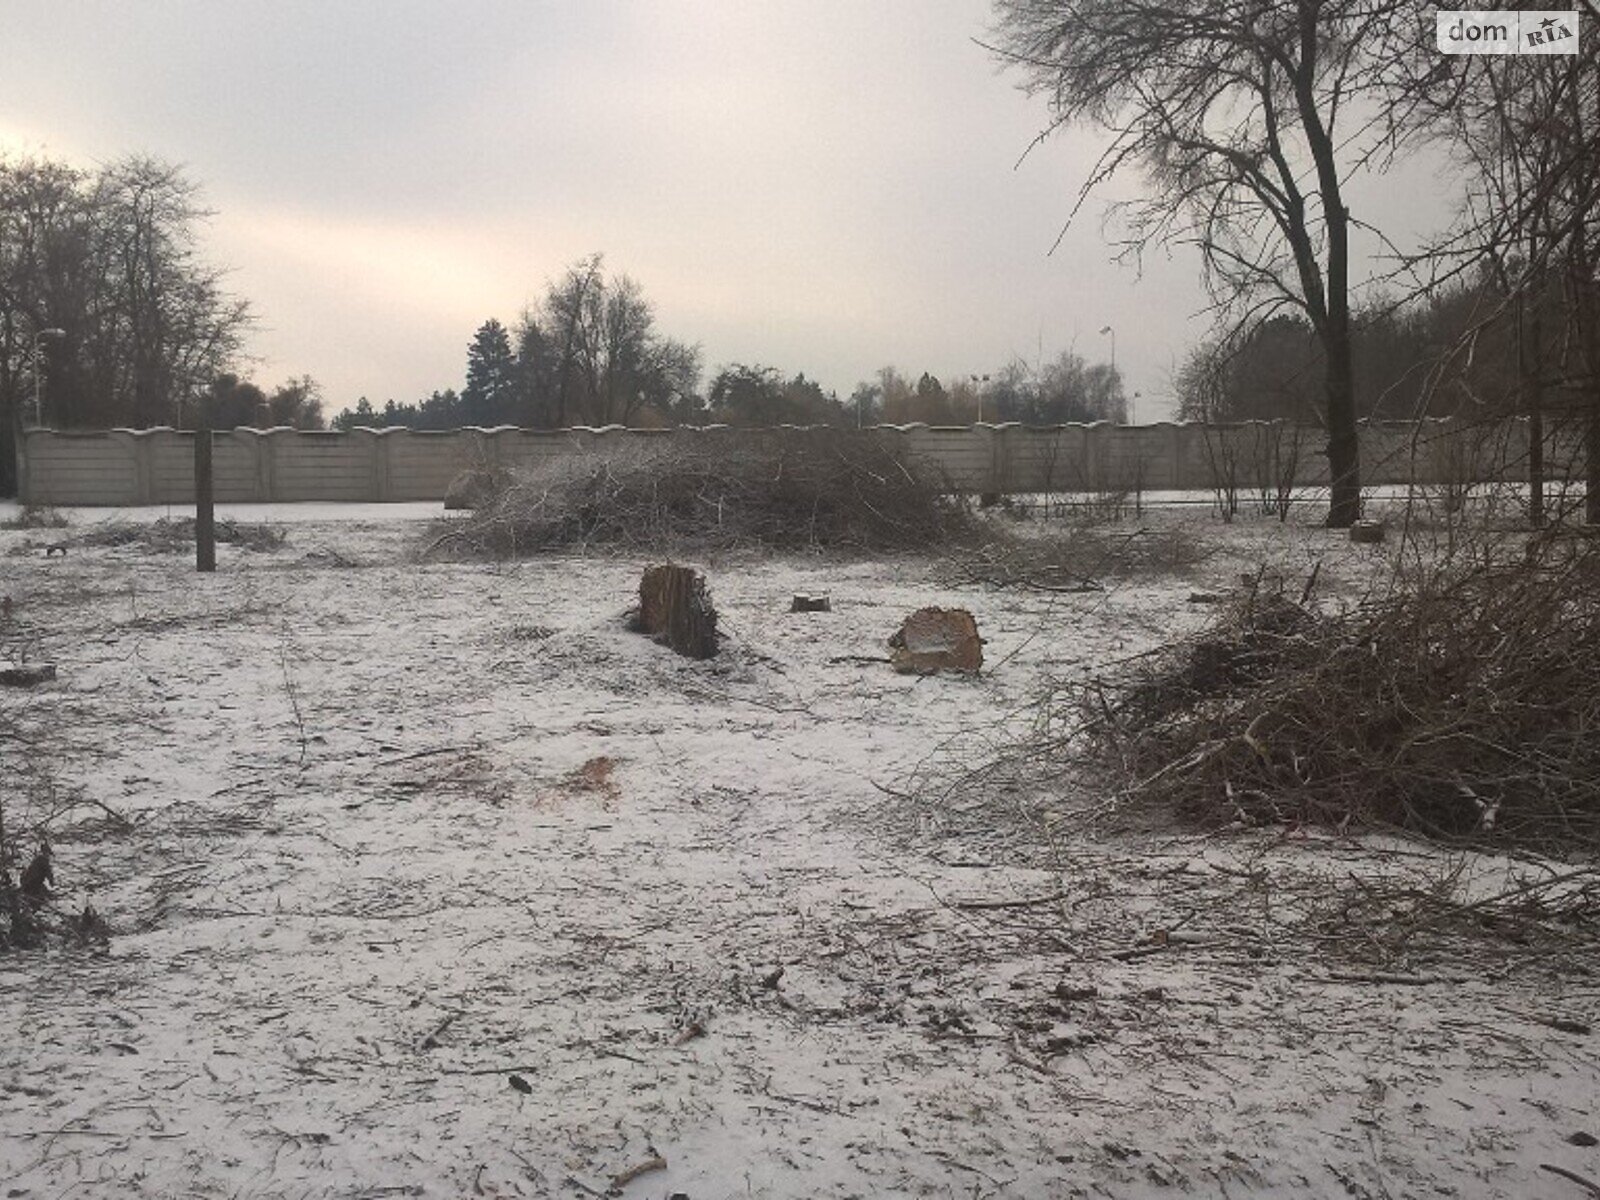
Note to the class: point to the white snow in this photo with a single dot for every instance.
(376, 867)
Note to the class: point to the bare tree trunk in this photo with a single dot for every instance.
(1591, 450)
(10, 448)
(1528, 366)
(1344, 447)
(1586, 311)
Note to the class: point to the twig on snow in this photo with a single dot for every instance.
(654, 1163)
(1590, 1185)
(1030, 902)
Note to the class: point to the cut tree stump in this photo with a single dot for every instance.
(937, 639)
(26, 676)
(1367, 533)
(805, 603)
(676, 610)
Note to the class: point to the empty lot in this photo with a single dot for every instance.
(431, 879)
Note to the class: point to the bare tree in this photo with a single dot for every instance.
(111, 259)
(591, 352)
(565, 308)
(1231, 109)
(1527, 128)
(623, 323)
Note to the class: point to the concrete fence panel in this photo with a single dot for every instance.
(79, 468)
(156, 466)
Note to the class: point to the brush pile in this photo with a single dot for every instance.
(1464, 703)
(817, 489)
(1078, 557)
(166, 536)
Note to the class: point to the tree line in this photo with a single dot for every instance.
(110, 315)
(590, 353)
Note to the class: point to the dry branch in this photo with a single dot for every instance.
(1079, 559)
(1462, 703)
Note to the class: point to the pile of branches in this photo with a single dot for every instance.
(177, 536)
(1462, 703)
(1080, 558)
(819, 489)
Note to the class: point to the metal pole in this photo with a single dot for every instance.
(205, 529)
(1107, 329)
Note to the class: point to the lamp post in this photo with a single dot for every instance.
(1104, 330)
(38, 375)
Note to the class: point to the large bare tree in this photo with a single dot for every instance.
(592, 351)
(1234, 112)
(110, 259)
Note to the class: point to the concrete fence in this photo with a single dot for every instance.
(156, 466)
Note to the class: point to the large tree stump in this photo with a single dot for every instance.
(676, 610)
(937, 639)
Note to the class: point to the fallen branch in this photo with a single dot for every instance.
(1590, 1185)
(1032, 902)
(622, 1178)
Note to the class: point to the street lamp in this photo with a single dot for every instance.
(1104, 330)
(38, 375)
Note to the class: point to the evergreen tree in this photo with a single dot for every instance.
(490, 397)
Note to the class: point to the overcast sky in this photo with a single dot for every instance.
(819, 185)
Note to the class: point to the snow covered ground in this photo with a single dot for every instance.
(429, 879)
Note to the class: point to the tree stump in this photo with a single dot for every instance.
(26, 676)
(937, 639)
(804, 602)
(676, 610)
